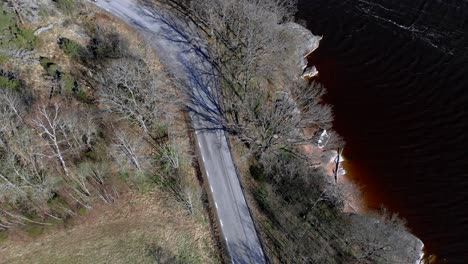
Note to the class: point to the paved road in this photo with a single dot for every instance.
(181, 52)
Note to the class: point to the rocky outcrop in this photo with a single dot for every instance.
(310, 72)
(38, 31)
(308, 44)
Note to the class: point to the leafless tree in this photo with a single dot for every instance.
(98, 175)
(11, 107)
(295, 177)
(381, 238)
(334, 141)
(171, 157)
(174, 162)
(245, 36)
(51, 128)
(61, 134)
(65, 130)
(268, 120)
(130, 151)
(22, 185)
(261, 99)
(19, 179)
(131, 90)
(79, 126)
(24, 189)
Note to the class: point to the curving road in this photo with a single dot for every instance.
(183, 54)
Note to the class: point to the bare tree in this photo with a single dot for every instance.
(98, 175)
(24, 189)
(245, 36)
(62, 134)
(131, 90)
(23, 184)
(64, 131)
(261, 99)
(11, 107)
(51, 129)
(130, 151)
(174, 162)
(381, 238)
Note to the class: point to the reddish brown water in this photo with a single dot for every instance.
(396, 75)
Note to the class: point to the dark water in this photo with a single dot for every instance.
(397, 74)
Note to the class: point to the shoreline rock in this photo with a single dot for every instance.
(310, 44)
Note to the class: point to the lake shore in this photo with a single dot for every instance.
(332, 163)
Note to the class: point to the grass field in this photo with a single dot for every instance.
(139, 228)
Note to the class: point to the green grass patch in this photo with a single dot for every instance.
(9, 83)
(82, 211)
(4, 59)
(3, 236)
(187, 252)
(12, 34)
(33, 230)
(56, 205)
(25, 38)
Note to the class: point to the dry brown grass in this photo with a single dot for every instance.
(121, 233)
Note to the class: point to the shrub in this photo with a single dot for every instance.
(257, 172)
(67, 6)
(8, 80)
(10, 83)
(71, 48)
(83, 97)
(106, 45)
(50, 67)
(69, 84)
(25, 38)
(82, 211)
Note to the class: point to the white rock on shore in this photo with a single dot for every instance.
(310, 43)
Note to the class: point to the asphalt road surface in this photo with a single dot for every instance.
(181, 52)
